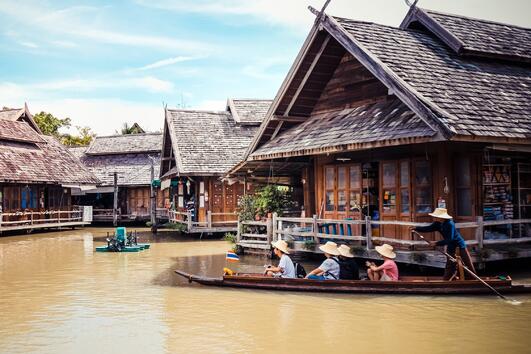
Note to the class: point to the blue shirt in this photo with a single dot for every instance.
(451, 237)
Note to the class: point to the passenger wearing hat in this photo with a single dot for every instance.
(329, 269)
(348, 268)
(452, 239)
(286, 268)
(388, 271)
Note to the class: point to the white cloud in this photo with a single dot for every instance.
(28, 44)
(165, 62)
(211, 105)
(263, 68)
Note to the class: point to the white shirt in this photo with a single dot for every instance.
(288, 269)
(331, 269)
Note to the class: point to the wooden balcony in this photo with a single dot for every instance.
(30, 220)
(215, 222)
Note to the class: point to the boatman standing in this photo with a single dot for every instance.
(452, 239)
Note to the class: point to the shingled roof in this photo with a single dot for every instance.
(206, 142)
(20, 114)
(129, 155)
(389, 122)
(248, 111)
(125, 144)
(26, 157)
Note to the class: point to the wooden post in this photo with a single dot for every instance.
(153, 196)
(238, 230)
(59, 216)
(269, 230)
(209, 219)
(368, 232)
(479, 232)
(115, 200)
(189, 220)
(315, 229)
(273, 235)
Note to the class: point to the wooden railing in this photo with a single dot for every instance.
(35, 218)
(230, 220)
(316, 229)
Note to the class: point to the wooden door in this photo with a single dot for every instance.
(422, 192)
(217, 198)
(404, 198)
(465, 195)
(388, 196)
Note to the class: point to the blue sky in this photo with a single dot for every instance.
(102, 63)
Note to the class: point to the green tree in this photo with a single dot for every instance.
(133, 129)
(50, 125)
(84, 137)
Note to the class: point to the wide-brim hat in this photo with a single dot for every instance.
(281, 245)
(344, 251)
(385, 250)
(330, 248)
(441, 213)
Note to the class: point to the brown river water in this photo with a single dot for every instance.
(58, 296)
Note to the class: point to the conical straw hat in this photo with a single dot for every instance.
(281, 245)
(344, 250)
(386, 250)
(441, 213)
(330, 248)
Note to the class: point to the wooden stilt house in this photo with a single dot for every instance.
(393, 122)
(37, 175)
(199, 148)
(131, 157)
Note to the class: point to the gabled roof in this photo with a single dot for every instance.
(125, 144)
(26, 157)
(473, 37)
(20, 114)
(248, 111)
(458, 97)
(206, 142)
(370, 125)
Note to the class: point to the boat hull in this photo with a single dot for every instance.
(413, 285)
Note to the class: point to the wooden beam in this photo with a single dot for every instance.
(276, 130)
(290, 119)
(307, 75)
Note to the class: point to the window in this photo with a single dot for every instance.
(389, 187)
(404, 187)
(463, 186)
(423, 193)
(330, 177)
(342, 190)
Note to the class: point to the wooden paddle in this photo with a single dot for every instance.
(468, 270)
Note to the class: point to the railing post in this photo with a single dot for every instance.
(31, 218)
(272, 233)
(368, 232)
(209, 219)
(280, 227)
(189, 220)
(239, 231)
(269, 229)
(479, 232)
(315, 229)
(59, 216)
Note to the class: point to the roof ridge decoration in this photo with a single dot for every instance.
(468, 36)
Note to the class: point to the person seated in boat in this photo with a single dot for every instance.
(329, 269)
(285, 268)
(452, 239)
(388, 271)
(348, 268)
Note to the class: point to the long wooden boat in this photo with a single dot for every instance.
(406, 285)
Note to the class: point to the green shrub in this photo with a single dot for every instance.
(175, 226)
(229, 236)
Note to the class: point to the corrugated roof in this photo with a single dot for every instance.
(125, 144)
(375, 122)
(207, 142)
(249, 111)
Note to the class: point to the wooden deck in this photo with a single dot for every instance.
(306, 234)
(27, 221)
(211, 225)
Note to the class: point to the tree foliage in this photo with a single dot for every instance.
(51, 125)
(133, 129)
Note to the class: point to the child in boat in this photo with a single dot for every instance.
(329, 269)
(388, 271)
(347, 265)
(285, 268)
(452, 239)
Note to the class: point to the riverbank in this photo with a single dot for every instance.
(58, 296)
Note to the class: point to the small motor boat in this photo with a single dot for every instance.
(123, 242)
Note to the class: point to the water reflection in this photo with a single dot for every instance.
(58, 296)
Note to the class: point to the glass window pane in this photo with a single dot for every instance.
(341, 177)
(341, 201)
(355, 177)
(404, 173)
(389, 174)
(423, 200)
(422, 173)
(464, 202)
(330, 201)
(329, 177)
(462, 171)
(389, 201)
(354, 201)
(404, 201)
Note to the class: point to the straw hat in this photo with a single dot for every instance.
(344, 251)
(441, 213)
(385, 250)
(330, 248)
(281, 245)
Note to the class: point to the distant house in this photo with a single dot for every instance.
(131, 157)
(199, 147)
(37, 176)
(393, 122)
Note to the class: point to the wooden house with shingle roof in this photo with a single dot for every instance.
(131, 157)
(37, 176)
(199, 148)
(393, 122)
